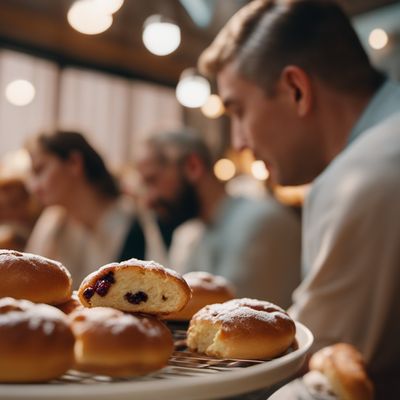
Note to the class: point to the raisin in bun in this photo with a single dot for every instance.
(113, 343)
(135, 286)
(206, 289)
(241, 328)
(343, 373)
(32, 277)
(36, 341)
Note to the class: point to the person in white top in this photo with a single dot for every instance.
(87, 222)
(302, 94)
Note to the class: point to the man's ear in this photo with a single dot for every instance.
(193, 167)
(297, 84)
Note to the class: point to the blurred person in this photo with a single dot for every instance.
(18, 213)
(254, 244)
(87, 222)
(301, 93)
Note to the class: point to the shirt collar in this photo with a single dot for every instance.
(384, 103)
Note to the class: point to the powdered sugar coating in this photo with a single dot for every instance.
(36, 317)
(207, 281)
(242, 311)
(112, 320)
(32, 261)
(134, 262)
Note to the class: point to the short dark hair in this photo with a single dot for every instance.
(63, 143)
(316, 35)
(185, 141)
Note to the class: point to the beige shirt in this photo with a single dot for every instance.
(351, 244)
(255, 244)
(82, 251)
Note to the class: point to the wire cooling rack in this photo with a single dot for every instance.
(188, 376)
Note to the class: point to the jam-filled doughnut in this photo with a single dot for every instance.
(32, 277)
(241, 328)
(206, 289)
(135, 286)
(339, 369)
(36, 341)
(113, 343)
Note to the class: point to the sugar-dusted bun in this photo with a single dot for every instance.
(206, 289)
(71, 305)
(241, 328)
(344, 368)
(135, 286)
(36, 342)
(32, 277)
(113, 343)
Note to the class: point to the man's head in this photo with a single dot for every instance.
(272, 61)
(171, 166)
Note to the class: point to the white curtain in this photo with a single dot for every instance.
(18, 122)
(97, 105)
(114, 113)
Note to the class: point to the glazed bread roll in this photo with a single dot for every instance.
(206, 289)
(113, 343)
(344, 368)
(35, 278)
(135, 286)
(241, 328)
(36, 342)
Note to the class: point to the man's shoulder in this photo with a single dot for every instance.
(371, 163)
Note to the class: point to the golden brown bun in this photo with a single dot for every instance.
(35, 278)
(343, 366)
(113, 343)
(135, 286)
(36, 342)
(241, 328)
(71, 305)
(206, 289)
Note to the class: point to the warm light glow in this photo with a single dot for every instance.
(16, 163)
(259, 171)
(86, 18)
(192, 90)
(378, 39)
(20, 92)
(224, 169)
(161, 37)
(107, 6)
(213, 108)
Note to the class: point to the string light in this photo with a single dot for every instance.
(20, 92)
(160, 36)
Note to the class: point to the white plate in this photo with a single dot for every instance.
(198, 385)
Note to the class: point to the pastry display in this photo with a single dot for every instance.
(241, 328)
(32, 277)
(339, 371)
(206, 289)
(36, 341)
(113, 343)
(135, 286)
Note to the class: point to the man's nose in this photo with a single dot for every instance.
(238, 138)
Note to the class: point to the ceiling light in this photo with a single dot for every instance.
(86, 18)
(378, 39)
(160, 36)
(20, 92)
(224, 169)
(107, 6)
(259, 171)
(213, 107)
(192, 90)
